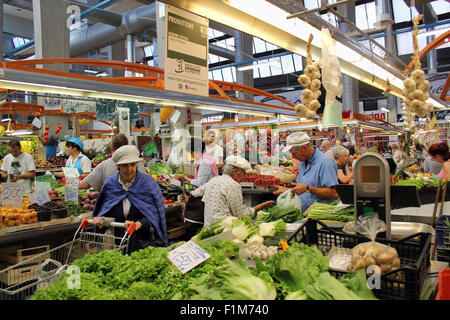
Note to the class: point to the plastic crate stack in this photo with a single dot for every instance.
(443, 238)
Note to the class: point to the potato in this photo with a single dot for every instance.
(396, 263)
(372, 251)
(385, 267)
(385, 258)
(370, 262)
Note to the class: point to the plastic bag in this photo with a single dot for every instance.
(289, 199)
(371, 253)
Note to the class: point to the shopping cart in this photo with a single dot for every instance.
(20, 281)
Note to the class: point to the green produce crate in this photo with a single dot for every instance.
(401, 284)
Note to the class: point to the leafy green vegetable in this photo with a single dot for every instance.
(295, 268)
(325, 211)
(72, 208)
(232, 282)
(289, 214)
(243, 228)
(329, 288)
(160, 168)
(269, 229)
(357, 283)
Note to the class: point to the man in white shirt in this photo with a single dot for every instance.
(213, 149)
(18, 166)
(222, 195)
(107, 168)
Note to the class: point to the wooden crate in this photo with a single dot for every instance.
(18, 275)
(13, 255)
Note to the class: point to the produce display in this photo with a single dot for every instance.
(288, 215)
(73, 209)
(243, 230)
(16, 216)
(171, 192)
(49, 210)
(421, 182)
(261, 180)
(160, 169)
(374, 253)
(88, 201)
(57, 161)
(300, 272)
(330, 212)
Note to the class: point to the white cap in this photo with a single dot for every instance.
(238, 162)
(126, 154)
(296, 139)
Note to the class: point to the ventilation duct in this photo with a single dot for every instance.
(383, 14)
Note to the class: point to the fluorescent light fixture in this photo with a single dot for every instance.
(103, 74)
(260, 64)
(2, 102)
(20, 133)
(6, 120)
(384, 109)
(436, 32)
(90, 71)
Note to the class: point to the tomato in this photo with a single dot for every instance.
(47, 127)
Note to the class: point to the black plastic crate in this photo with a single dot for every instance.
(443, 238)
(401, 284)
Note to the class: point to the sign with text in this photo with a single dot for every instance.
(72, 183)
(41, 196)
(70, 172)
(12, 194)
(43, 185)
(382, 115)
(71, 194)
(187, 256)
(186, 52)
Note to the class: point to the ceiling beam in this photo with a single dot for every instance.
(22, 4)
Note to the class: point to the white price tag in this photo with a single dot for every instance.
(43, 185)
(187, 256)
(70, 172)
(72, 183)
(41, 196)
(12, 194)
(71, 194)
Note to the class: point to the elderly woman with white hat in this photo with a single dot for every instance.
(132, 196)
(222, 195)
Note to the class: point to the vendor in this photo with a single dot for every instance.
(213, 148)
(106, 168)
(18, 166)
(439, 152)
(223, 194)
(132, 196)
(206, 167)
(317, 174)
(76, 159)
(344, 172)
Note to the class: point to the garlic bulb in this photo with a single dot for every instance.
(314, 105)
(418, 75)
(423, 85)
(316, 75)
(304, 80)
(409, 84)
(307, 96)
(317, 94)
(424, 96)
(315, 85)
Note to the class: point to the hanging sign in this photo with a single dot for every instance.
(186, 52)
(12, 194)
(71, 194)
(187, 256)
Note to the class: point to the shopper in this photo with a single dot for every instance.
(327, 148)
(18, 166)
(132, 196)
(344, 172)
(317, 174)
(374, 148)
(223, 194)
(107, 168)
(440, 153)
(206, 168)
(213, 148)
(431, 165)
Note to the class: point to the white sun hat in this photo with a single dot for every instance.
(238, 162)
(126, 154)
(296, 139)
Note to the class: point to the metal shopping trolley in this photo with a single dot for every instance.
(20, 281)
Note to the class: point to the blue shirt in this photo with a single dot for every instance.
(321, 172)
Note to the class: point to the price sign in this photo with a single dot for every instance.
(41, 196)
(43, 185)
(72, 183)
(187, 256)
(70, 172)
(71, 194)
(12, 194)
